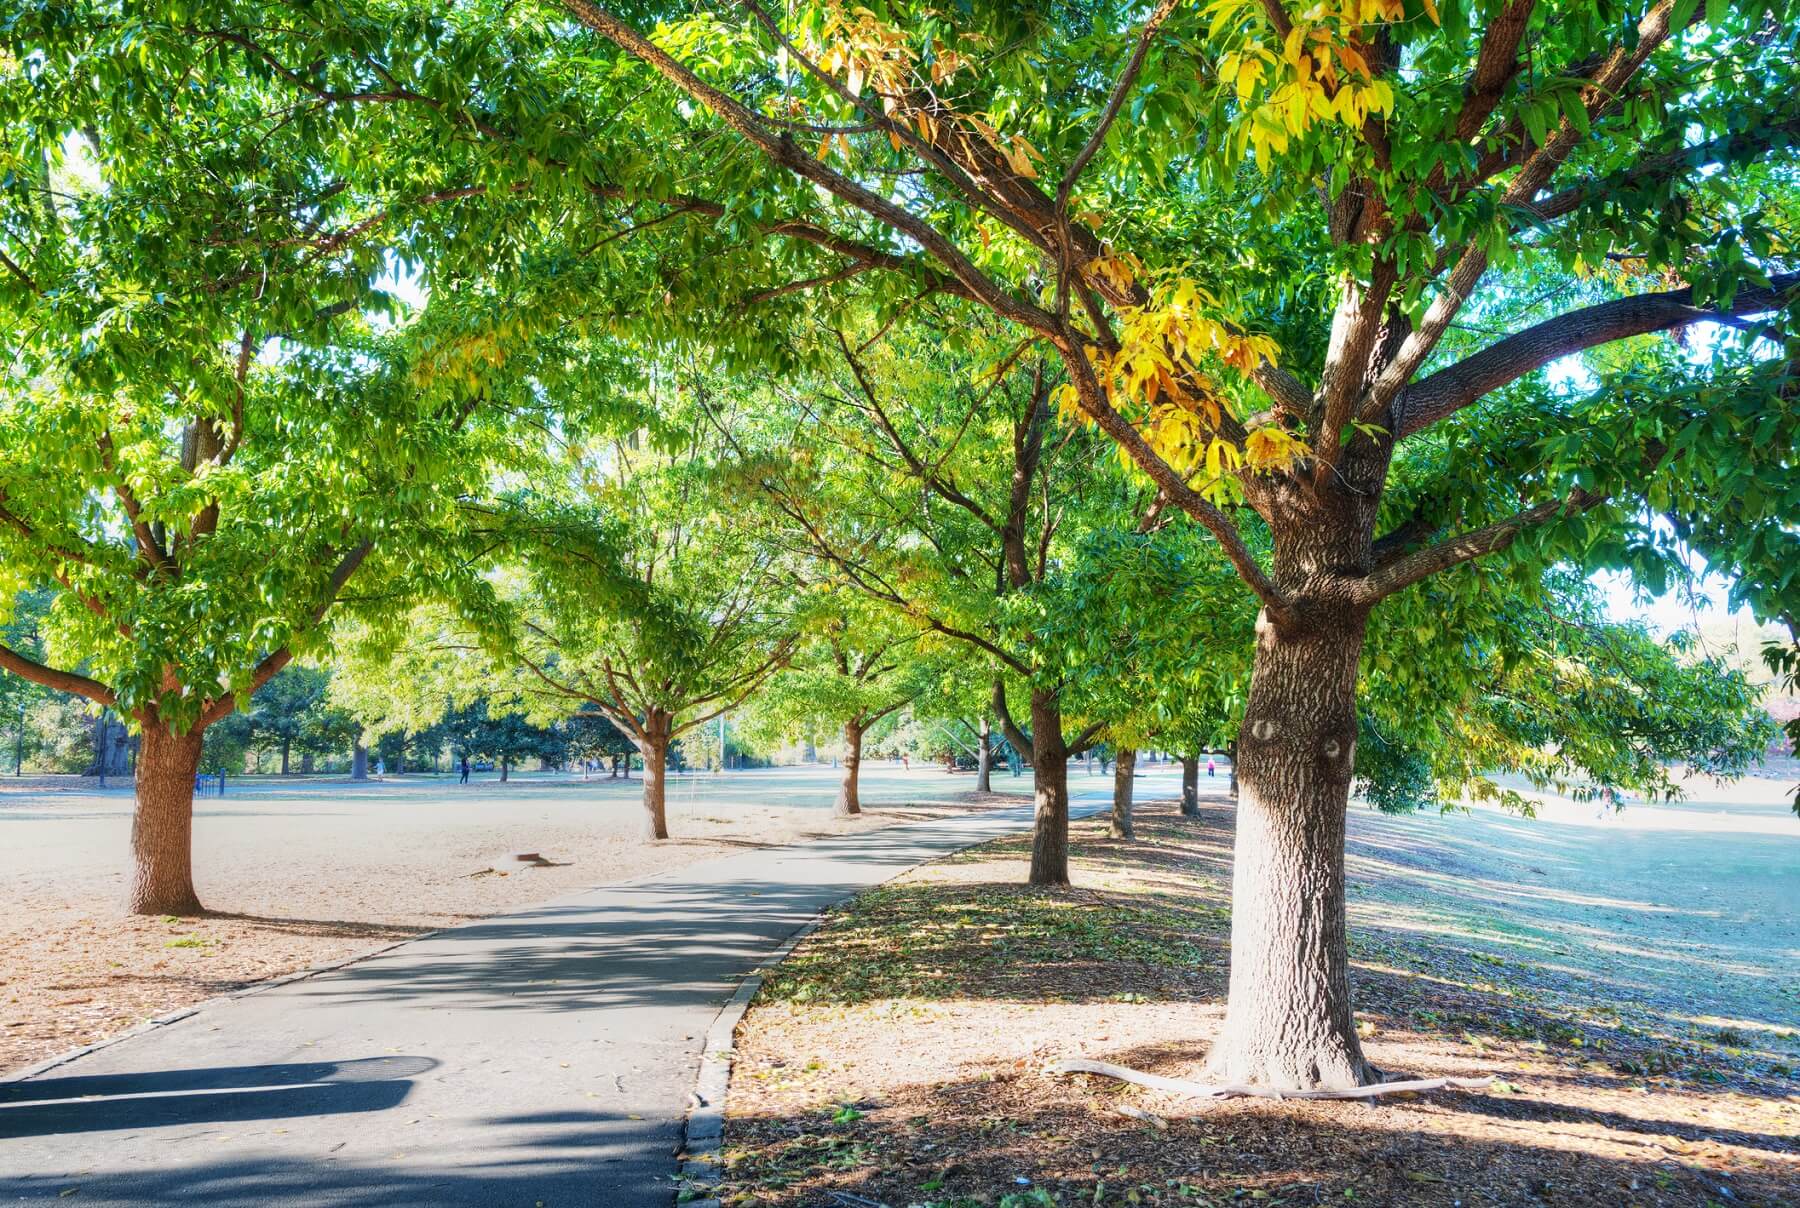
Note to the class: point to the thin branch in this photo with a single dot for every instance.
(1114, 103)
(276, 660)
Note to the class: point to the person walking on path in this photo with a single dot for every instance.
(465, 769)
(1212, 769)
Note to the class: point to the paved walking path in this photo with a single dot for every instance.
(541, 1059)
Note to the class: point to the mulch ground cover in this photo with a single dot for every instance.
(902, 1056)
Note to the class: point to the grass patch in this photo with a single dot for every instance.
(929, 941)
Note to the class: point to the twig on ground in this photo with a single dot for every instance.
(1138, 1113)
(855, 1201)
(1199, 1090)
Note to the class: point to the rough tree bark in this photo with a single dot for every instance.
(162, 879)
(1190, 786)
(1123, 773)
(1050, 771)
(654, 747)
(1288, 1021)
(984, 758)
(847, 804)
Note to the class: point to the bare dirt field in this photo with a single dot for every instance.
(1633, 982)
(301, 873)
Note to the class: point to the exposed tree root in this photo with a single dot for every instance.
(1198, 1090)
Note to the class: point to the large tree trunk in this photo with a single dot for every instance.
(1190, 786)
(505, 763)
(654, 747)
(1289, 1022)
(1231, 754)
(1123, 773)
(984, 759)
(1050, 769)
(306, 764)
(848, 804)
(359, 761)
(162, 875)
(285, 745)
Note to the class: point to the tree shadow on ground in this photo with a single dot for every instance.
(222, 1094)
(322, 928)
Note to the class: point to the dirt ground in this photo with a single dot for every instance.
(1633, 982)
(301, 874)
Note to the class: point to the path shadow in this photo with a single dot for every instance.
(326, 928)
(213, 1095)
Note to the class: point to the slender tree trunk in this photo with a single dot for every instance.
(984, 759)
(1190, 785)
(1231, 754)
(1289, 1021)
(285, 745)
(505, 766)
(1050, 767)
(1123, 774)
(306, 765)
(848, 804)
(359, 761)
(162, 877)
(655, 750)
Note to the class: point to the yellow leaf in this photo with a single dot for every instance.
(1249, 75)
(1431, 11)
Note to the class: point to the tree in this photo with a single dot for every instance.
(204, 432)
(1450, 191)
(481, 732)
(590, 736)
(853, 668)
(641, 596)
(292, 709)
(950, 496)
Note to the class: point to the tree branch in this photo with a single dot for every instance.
(51, 677)
(1176, 488)
(1114, 103)
(1015, 734)
(1457, 386)
(781, 150)
(277, 659)
(1404, 571)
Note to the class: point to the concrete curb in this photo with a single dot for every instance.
(704, 1129)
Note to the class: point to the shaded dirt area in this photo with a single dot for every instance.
(321, 876)
(901, 1056)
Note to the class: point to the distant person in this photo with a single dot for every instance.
(380, 769)
(1212, 769)
(465, 769)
